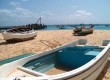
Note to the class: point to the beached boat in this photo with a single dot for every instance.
(76, 30)
(74, 61)
(19, 34)
(83, 31)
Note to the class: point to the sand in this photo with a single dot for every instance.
(52, 38)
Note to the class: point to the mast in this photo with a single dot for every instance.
(39, 20)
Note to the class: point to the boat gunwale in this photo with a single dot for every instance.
(20, 33)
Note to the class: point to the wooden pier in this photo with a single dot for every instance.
(35, 26)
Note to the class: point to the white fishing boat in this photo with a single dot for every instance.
(74, 61)
(19, 34)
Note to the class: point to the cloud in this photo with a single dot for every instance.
(82, 13)
(18, 15)
(5, 12)
(79, 16)
(23, 12)
(17, 12)
(82, 16)
(47, 13)
(14, 3)
(25, 16)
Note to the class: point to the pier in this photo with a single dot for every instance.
(35, 26)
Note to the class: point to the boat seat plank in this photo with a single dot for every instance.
(58, 70)
(19, 73)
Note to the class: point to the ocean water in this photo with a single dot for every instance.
(68, 27)
(54, 27)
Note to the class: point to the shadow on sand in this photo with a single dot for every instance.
(79, 34)
(3, 42)
(103, 73)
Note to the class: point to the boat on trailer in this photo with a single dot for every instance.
(72, 61)
(19, 34)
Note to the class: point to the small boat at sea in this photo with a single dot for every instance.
(19, 34)
(60, 26)
(72, 61)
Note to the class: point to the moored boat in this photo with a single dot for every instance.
(74, 61)
(19, 34)
(60, 26)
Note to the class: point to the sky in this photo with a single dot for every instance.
(22, 12)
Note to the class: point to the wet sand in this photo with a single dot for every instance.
(53, 38)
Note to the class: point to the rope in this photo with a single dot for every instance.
(57, 42)
(47, 43)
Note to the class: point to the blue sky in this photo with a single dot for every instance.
(19, 12)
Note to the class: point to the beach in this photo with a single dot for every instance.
(53, 38)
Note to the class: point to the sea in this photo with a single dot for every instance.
(69, 27)
(66, 27)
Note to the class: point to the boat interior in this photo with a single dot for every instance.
(18, 30)
(64, 60)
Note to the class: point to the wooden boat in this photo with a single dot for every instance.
(72, 61)
(77, 29)
(19, 34)
(83, 31)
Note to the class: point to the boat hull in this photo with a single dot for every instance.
(16, 37)
(83, 31)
